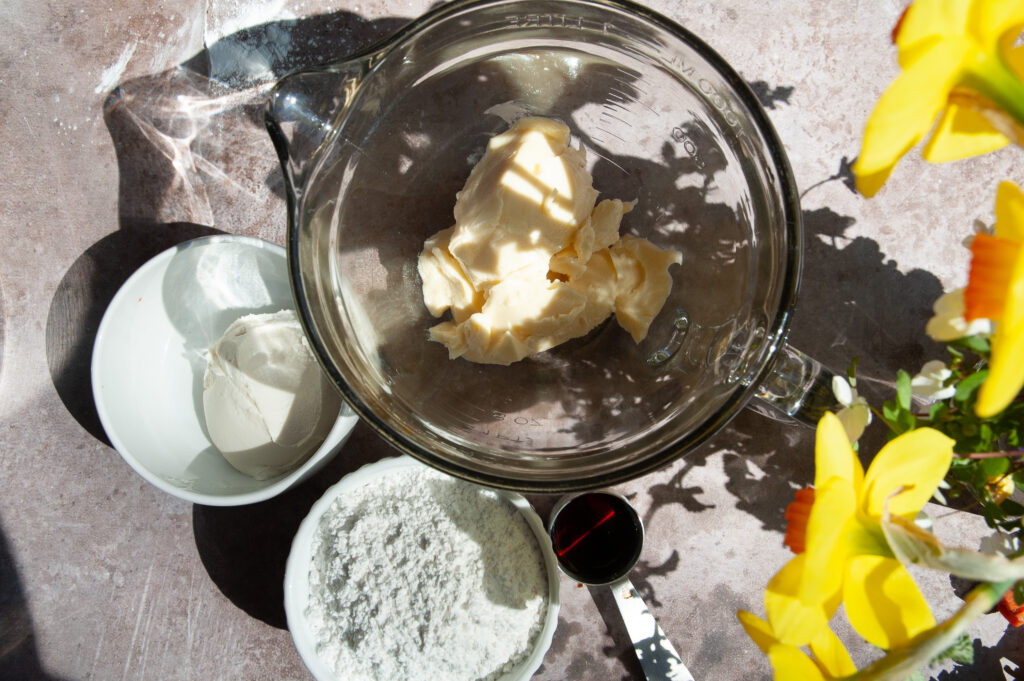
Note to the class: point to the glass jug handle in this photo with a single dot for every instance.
(302, 112)
(799, 388)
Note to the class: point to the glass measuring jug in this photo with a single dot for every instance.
(374, 150)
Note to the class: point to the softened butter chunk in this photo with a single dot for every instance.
(522, 202)
(532, 259)
(268, 404)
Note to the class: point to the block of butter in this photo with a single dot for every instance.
(533, 260)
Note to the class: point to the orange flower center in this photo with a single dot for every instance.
(1013, 613)
(899, 24)
(992, 262)
(797, 515)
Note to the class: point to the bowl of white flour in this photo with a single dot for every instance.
(402, 572)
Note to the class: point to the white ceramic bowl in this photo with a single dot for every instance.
(296, 580)
(148, 365)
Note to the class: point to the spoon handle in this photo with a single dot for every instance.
(659, 659)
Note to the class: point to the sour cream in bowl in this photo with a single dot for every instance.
(171, 333)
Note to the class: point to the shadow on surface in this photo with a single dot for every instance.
(853, 303)
(187, 141)
(81, 299)
(19, 655)
(769, 96)
(848, 284)
(245, 548)
(1005, 660)
(3, 324)
(268, 51)
(621, 647)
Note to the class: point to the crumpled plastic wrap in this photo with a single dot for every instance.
(186, 120)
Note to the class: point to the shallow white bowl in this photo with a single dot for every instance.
(296, 579)
(148, 365)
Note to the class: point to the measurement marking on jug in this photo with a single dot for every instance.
(608, 160)
(648, 107)
(519, 420)
(609, 132)
(606, 115)
(498, 436)
(719, 101)
(689, 146)
(630, 99)
(545, 21)
(617, 105)
(623, 96)
(526, 440)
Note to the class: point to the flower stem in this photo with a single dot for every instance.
(904, 660)
(990, 455)
(994, 81)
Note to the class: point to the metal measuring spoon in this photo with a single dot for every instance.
(597, 538)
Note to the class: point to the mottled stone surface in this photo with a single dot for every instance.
(102, 576)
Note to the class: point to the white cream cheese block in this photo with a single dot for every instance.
(268, 404)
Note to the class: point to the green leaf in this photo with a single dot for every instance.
(938, 411)
(1011, 507)
(980, 478)
(969, 385)
(961, 652)
(976, 344)
(993, 514)
(903, 390)
(851, 372)
(909, 421)
(964, 473)
(997, 466)
(896, 417)
(987, 436)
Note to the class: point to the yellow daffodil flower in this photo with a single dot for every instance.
(1000, 488)
(847, 558)
(958, 57)
(829, 659)
(995, 290)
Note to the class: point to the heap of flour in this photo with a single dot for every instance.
(421, 577)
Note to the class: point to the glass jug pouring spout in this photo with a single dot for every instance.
(305, 107)
(302, 113)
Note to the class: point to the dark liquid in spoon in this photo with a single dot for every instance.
(597, 538)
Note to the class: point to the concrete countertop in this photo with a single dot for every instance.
(102, 576)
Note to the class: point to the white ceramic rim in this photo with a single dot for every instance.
(296, 576)
(335, 438)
